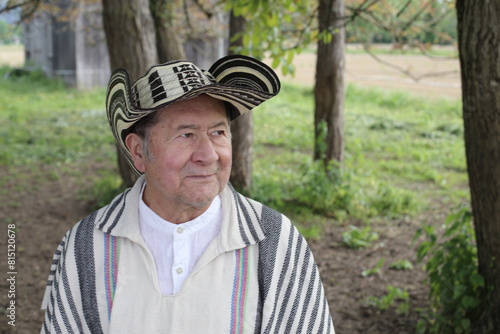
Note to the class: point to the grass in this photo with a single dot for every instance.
(402, 152)
(47, 123)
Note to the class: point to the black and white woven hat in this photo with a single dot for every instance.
(242, 81)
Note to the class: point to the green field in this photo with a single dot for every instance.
(402, 152)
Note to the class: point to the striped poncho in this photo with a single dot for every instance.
(257, 276)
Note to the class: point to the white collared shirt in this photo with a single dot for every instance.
(176, 248)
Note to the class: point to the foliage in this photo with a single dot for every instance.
(374, 271)
(394, 296)
(456, 287)
(9, 33)
(281, 29)
(417, 24)
(359, 238)
(322, 192)
(401, 265)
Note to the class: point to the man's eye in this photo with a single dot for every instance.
(218, 133)
(187, 135)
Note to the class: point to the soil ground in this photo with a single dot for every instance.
(42, 220)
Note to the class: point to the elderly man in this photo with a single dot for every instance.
(182, 251)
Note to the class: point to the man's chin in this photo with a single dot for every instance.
(200, 199)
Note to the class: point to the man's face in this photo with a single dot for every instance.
(190, 158)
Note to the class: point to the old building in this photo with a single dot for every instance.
(68, 42)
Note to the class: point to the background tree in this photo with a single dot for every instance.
(168, 44)
(131, 39)
(242, 127)
(329, 84)
(479, 50)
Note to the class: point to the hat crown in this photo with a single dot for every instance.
(178, 77)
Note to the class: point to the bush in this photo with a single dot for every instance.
(324, 191)
(456, 287)
(359, 238)
(333, 192)
(395, 296)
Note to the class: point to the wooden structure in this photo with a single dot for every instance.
(75, 50)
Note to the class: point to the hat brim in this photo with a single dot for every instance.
(241, 81)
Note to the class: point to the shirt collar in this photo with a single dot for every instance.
(153, 220)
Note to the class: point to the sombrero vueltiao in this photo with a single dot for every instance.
(242, 81)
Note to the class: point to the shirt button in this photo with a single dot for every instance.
(179, 270)
(180, 230)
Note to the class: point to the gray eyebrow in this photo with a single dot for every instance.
(187, 126)
(194, 127)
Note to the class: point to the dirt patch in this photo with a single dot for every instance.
(43, 207)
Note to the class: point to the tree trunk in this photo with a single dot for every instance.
(241, 127)
(130, 36)
(167, 42)
(479, 49)
(329, 88)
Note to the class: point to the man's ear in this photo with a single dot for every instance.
(134, 145)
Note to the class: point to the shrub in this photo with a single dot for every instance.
(359, 238)
(401, 265)
(395, 296)
(374, 271)
(456, 287)
(324, 191)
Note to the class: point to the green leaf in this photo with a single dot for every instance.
(276, 62)
(284, 70)
(470, 302)
(273, 20)
(477, 279)
(401, 265)
(465, 323)
(327, 38)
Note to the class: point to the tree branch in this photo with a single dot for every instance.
(415, 17)
(9, 6)
(402, 70)
(26, 13)
(205, 11)
(401, 11)
(357, 11)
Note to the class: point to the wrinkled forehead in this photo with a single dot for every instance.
(202, 109)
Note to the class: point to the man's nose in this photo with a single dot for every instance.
(204, 152)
